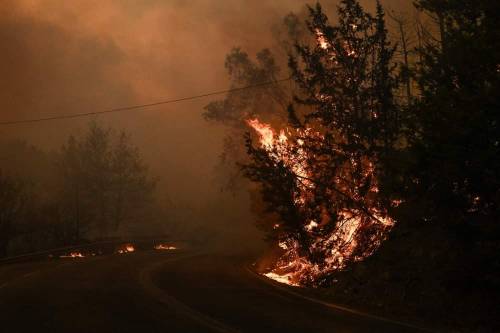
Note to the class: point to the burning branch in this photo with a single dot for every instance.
(337, 238)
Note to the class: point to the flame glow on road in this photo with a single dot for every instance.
(126, 248)
(164, 247)
(74, 254)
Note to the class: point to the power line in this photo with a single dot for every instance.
(140, 106)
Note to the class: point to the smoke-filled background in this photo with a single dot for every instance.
(64, 57)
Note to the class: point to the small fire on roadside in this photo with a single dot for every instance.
(284, 278)
(127, 248)
(74, 254)
(164, 247)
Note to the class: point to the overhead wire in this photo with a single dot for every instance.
(139, 106)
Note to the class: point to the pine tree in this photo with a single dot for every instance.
(103, 183)
(457, 143)
(344, 128)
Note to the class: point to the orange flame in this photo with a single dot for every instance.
(75, 254)
(126, 248)
(322, 42)
(342, 242)
(265, 131)
(164, 247)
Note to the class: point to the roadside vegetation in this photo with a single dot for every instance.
(95, 186)
(375, 173)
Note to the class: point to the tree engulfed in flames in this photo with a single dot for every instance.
(357, 231)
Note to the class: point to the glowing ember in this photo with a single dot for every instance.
(286, 278)
(283, 245)
(73, 255)
(322, 42)
(396, 203)
(165, 247)
(311, 225)
(127, 248)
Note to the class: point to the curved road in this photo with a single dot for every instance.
(160, 292)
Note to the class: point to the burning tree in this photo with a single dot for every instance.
(267, 101)
(322, 174)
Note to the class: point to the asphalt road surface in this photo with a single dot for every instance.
(160, 292)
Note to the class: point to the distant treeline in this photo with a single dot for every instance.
(93, 187)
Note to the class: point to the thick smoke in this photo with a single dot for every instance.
(62, 57)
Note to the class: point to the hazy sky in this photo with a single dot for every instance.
(60, 56)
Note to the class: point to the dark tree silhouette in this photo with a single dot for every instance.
(454, 168)
(267, 101)
(104, 181)
(13, 201)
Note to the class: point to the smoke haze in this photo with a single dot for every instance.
(63, 57)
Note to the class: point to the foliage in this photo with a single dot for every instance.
(95, 185)
(346, 130)
(104, 182)
(455, 148)
(240, 105)
(13, 201)
(264, 100)
(354, 146)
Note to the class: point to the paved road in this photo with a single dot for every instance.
(159, 292)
